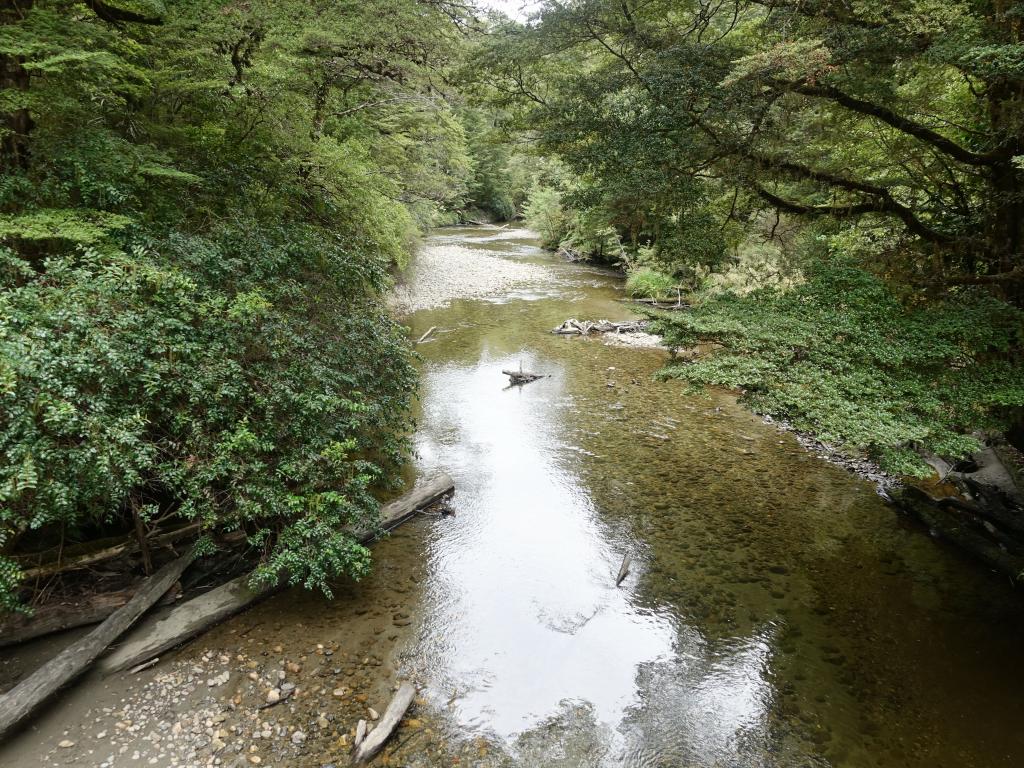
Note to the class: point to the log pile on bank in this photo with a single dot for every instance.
(195, 616)
(574, 327)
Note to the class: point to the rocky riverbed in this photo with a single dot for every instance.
(446, 270)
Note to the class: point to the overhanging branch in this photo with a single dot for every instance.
(897, 121)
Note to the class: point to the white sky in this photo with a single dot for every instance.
(517, 9)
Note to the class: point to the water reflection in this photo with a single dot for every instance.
(525, 609)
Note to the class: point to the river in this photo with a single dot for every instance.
(778, 613)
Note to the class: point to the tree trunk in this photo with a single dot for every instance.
(17, 124)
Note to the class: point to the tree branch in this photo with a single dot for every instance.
(900, 123)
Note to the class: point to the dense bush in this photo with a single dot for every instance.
(197, 222)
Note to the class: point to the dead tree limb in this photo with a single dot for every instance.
(393, 715)
(624, 569)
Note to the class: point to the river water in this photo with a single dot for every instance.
(778, 613)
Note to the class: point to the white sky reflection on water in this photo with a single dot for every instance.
(525, 618)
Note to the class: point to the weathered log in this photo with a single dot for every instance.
(393, 715)
(59, 616)
(18, 628)
(360, 734)
(624, 569)
(194, 616)
(426, 335)
(31, 692)
(574, 327)
(423, 495)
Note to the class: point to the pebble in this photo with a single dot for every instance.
(66, 744)
(298, 737)
(273, 696)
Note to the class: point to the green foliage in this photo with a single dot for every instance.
(544, 213)
(843, 357)
(645, 282)
(193, 256)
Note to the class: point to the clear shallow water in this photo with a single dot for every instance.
(778, 612)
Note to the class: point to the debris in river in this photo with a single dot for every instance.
(624, 569)
(574, 327)
(393, 715)
(35, 689)
(520, 377)
(426, 335)
(199, 614)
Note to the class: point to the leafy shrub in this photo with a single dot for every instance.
(544, 213)
(646, 282)
(192, 260)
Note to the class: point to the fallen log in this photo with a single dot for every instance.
(128, 546)
(393, 715)
(31, 692)
(426, 335)
(574, 327)
(194, 616)
(624, 569)
(57, 617)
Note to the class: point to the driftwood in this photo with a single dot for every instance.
(517, 378)
(194, 616)
(360, 734)
(570, 254)
(68, 614)
(574, 327)
(624, 569)
(393, 715)
(426, 335)
(27, 695)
